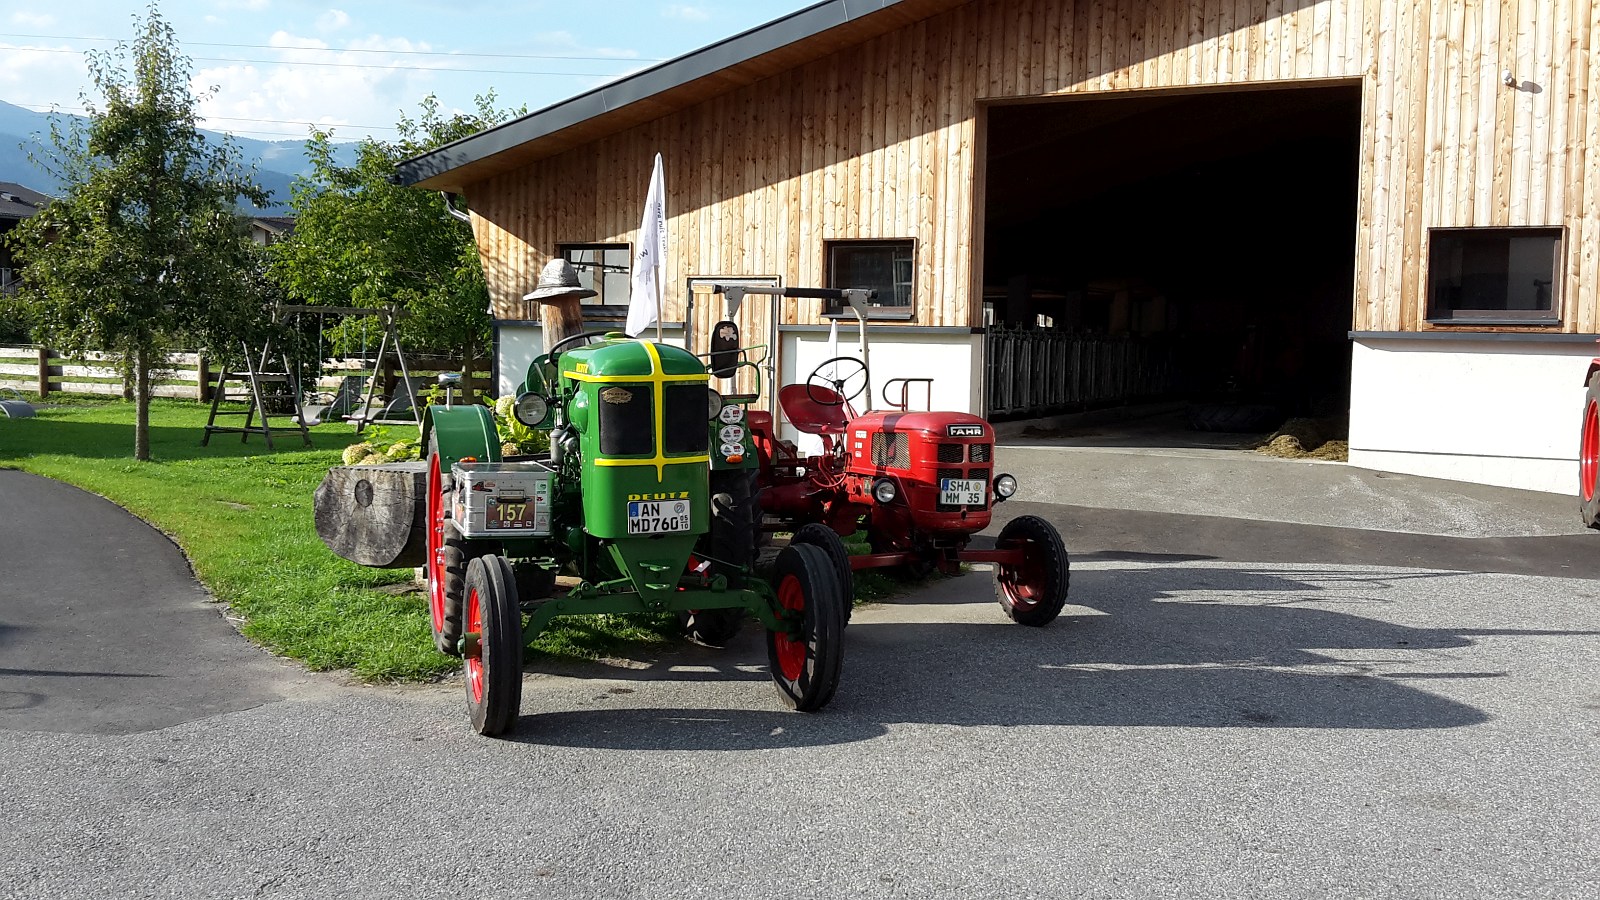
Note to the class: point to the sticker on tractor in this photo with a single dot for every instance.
(657, 517)
(963, 430)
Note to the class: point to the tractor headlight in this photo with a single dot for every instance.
(1005, 486)
(884, 491)
(530, 409)
(716, 403)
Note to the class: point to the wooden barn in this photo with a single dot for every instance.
(1380, 206)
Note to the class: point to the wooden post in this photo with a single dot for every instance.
(560, 318)
(44, 372)
(202, 374)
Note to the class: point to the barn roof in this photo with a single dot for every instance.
(743, 59)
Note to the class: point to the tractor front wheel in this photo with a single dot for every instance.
(1589, 456)
(806, 660)
(493, 644)
(1033, 591)
(818, 535)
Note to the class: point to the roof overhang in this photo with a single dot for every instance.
(743, 59)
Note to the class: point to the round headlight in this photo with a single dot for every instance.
(1005, 486)
(884, 491)
(530, 409)
(715, 406)
(731, 414)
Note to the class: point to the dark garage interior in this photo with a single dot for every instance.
(1194, 246)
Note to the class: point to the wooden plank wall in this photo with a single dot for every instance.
(881, 140)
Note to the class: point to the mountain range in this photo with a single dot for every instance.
(277, 162)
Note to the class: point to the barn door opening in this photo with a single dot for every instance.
(1195, 246)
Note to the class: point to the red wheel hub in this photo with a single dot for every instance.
(791, 650)
(435, 567)
(1024, 582)
(474, 656)
(1589, 457)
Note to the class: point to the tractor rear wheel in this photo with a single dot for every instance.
(818, 535)
(730, 547)
(1033, 592)
(806, 662)
(493, 657)
(448, 555)
(1589, 456)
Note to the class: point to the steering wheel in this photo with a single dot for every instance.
(558, 346)
(839, 385)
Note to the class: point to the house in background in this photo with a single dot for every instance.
(16, 203)
(1390, 207)
(268, 230)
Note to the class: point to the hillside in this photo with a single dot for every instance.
(277, 162)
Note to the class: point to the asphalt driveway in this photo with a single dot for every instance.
(1229, 708)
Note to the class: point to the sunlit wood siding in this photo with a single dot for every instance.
(882, 139)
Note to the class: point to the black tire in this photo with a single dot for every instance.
(730, 547)
(1589, 456)
(494, 672)
(818, 535)
(1034, 592)
(805, 666)
(454, 555)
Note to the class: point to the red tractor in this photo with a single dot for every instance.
(920, 484)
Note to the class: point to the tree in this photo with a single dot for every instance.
(362, 240)
(144, 250)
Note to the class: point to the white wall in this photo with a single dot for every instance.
(953, 361)
(520, 343)
(1491, 412)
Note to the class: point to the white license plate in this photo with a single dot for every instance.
(657, 517)
(962, 491)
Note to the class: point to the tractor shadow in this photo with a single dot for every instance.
(1165, 646)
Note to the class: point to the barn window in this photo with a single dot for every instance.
(604, 269)
(1487, 276)
(885, 266)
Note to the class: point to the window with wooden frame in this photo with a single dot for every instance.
(885, 266)
(1494, 276)
(605, 269)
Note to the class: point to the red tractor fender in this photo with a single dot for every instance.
(1594, 366)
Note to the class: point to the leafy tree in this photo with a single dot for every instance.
(362, 240)
(144, 249)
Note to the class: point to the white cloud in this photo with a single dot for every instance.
(36, 79)
(687, 13)
(251, 5)
(32, 19)
(332, 20)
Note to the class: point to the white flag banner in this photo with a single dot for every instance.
(649, 257)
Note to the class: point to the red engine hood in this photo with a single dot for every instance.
(933, 423)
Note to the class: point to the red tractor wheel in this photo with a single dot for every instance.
(448, 555)
(1589, 456)
(493, 657)
(806, 662)
(818, 535)
(1033, 591)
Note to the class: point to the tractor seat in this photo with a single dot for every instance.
(810, 416)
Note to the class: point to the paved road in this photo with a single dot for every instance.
(1227, 710)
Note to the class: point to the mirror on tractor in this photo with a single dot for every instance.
(724, 349)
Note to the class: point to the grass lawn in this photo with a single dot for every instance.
(243, 516)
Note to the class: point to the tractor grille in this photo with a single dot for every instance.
(891, 450)
(952, 453)
(980, 452)
(627, 422)
(950, 473)
(686, 431)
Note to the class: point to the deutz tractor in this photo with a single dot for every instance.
(920, 484)
(625, 501)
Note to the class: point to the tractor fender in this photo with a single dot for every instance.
(1594, 366)
(461, 431)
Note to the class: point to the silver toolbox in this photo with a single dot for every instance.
(504, 499)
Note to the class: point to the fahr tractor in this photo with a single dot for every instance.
(920, 484)
(633, 501)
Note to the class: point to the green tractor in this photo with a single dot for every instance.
(643, 497)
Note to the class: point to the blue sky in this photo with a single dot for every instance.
(281, 64)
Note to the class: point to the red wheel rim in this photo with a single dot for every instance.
(791, 652)
(1589, 458)
(474, 660)
(436, 576)
(1023, 584)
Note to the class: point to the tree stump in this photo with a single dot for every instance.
(375, 515)
(559, 319)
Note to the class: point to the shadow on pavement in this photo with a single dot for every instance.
(1172, 646)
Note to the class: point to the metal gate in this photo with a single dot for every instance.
(1035, 372)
